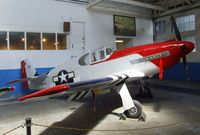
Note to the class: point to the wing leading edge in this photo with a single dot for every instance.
(102, 83)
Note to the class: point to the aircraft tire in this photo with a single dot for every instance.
(132, 112)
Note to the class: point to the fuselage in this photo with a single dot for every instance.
(143, 58)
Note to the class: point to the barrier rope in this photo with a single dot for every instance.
(21, 126)
(98, 130)
(107, 130)
(64, 128)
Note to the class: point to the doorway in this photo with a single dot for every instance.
(122, 43)
(77, 35)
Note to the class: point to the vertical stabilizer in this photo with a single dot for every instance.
(27, 71)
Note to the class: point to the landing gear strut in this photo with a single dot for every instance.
(132, 109)
(93, 101)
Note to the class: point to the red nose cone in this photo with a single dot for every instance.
(190, 46)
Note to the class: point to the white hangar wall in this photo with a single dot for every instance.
(144, 32)
(48, 16)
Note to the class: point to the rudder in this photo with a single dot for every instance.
(27, 71)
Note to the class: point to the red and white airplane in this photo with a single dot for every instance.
(106, 68)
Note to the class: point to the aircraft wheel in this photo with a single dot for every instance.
(134, 112)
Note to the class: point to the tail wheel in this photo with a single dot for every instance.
(134, 112)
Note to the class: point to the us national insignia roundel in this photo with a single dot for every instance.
(63, 77)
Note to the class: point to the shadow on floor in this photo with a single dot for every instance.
(84, 117)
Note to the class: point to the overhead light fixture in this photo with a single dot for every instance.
(23, 39)
(119, 41)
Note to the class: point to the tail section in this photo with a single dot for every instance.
(27, 71)
(30, 78)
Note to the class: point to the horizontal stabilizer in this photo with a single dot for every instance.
(47, 91)
(18, 81)
(34, 78)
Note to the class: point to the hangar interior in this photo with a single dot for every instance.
(50, 32)
(28, 31)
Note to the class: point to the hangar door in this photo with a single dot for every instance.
(77, 35)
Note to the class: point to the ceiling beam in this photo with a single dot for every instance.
(93, 3)
(121, 12)
(177, 10)
(141, 4)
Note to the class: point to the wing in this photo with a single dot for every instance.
(98, 83)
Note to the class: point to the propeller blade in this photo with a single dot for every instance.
(177, 32)
(184, 47)
(186, 68)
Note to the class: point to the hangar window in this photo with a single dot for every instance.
(17, 40)
(186, 23)
(160, 27)
(3, 40)
(33, 41)
(49, 40)
(61, 41)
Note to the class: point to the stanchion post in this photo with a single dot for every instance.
(28, 125)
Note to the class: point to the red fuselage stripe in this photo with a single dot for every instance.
(47, 91)
(149, 49)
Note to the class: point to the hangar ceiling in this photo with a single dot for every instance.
(147, 8)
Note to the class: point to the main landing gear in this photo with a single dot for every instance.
(132, 108)
(144, 90)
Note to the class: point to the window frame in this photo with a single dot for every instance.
(184, 23)
(10, 40)
(26, 44)
(6, 38)
(160, 27)
(66, 43)
(55, 43)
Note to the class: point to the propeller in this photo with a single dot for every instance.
(177, 33)
(186, 68)
(178, 37)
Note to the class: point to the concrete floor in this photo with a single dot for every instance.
(169, 113)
